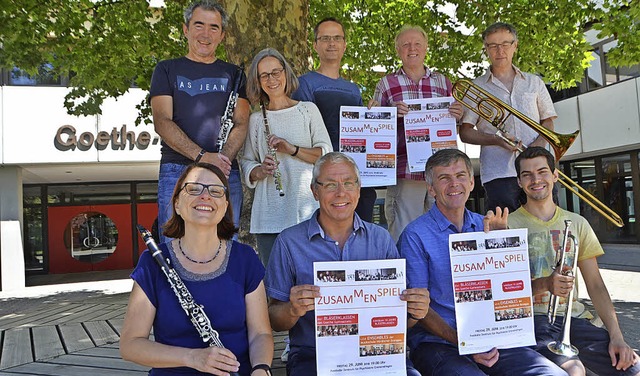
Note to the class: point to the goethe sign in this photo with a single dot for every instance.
(67, 139)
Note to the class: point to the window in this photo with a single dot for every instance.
(44, 77)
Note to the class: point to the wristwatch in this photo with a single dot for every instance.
(265, 367)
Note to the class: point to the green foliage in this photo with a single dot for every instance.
(550, 34)
(105, 46)
(622, 19)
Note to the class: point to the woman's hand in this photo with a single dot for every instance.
(213, 360)
(267, 168)
(280, 144)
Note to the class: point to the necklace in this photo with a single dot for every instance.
(200, 262)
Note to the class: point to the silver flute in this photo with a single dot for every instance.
(277, 176)
(226, 121)
(195, 311)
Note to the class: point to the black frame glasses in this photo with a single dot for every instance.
(276, 73)
(196, 189)
(495, 46)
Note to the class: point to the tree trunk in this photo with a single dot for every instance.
(258, 24)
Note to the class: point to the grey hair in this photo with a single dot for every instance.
(499, 26)
(406, 28)
(334, 157)
(210, 5)
(254, 89)
(446, 157)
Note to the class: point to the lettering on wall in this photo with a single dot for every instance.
(120, 139)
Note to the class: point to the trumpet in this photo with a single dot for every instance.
(496, 112)
(562, 345)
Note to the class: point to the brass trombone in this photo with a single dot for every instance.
(496, 112)
(562, 345)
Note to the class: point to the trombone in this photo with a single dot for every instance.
(496, 112)
(562, 345)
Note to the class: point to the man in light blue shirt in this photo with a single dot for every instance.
(333, 233)
(433, 342)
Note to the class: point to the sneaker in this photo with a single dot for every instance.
(285, 353)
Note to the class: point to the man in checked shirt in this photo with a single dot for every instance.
(408, 199)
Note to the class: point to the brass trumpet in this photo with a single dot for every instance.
(562, 345)
(496, 112)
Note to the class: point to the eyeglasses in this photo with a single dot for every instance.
(196, 189)
(276, 73)
(328, 38)
(495, 46)
(333, 186)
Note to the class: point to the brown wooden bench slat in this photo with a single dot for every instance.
(117, 324)
(52, 369)
(46, 342)
(115, 365)
(74, 337)
(101, 332)
(16, 348)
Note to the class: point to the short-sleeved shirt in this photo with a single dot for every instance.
(200, 94)
(529, 96)
(398, 87)
(222, 293)
(424, 243)
(298, 247)
(328, 94)
(545, 235)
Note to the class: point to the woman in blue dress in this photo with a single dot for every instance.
(222, 275)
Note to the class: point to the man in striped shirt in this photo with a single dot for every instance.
(408, 199)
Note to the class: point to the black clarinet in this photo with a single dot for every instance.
(226, 121)
(195, 311)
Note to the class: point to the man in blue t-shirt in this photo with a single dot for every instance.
(188, 97)
(329, 91)
(424, 243)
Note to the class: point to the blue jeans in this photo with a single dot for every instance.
(592, 343)
(169, 175)
(444, 359)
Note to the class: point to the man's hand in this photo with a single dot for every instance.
(487, 359)
(496, 221)
(219, 160)
(417, 302)
(456, 110)
(373, 103)
(622, 356)
(303, 299)
(559, 284)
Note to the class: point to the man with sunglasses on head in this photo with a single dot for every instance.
(523, 91)
(333, 233)
(328, 90)
(188, 97)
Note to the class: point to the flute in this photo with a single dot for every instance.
(195, 311)
(277, 176)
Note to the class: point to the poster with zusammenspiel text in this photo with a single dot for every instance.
(492, 290)
(428, 127)
(360, 320)
(368, 135)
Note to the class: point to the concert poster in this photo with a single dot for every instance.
(361, 323)
(492, 290)
(369, 137)
(428, 127)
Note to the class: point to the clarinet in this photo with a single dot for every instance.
(195, 311)
(226, 121)
(277, 176)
